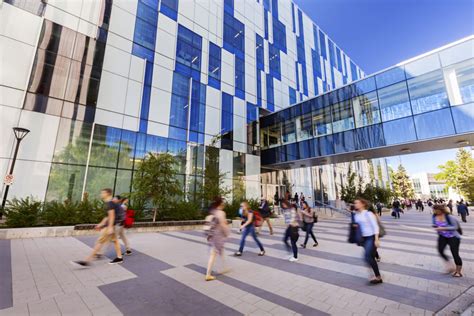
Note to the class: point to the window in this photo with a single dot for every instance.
(169, 8)
(463, 116)
(459, 80)
(434, 124)
(65, 182)
(105, 146)
(342, 119)
(145, 34)
(369, 137)
(179, 101)
(364, 86)
(322, 43)
(390, 76)
(214, 61)
(427, 92)
(56, 39)
(288, 131)
(274, 135)
(304, 126)
(394, 102)
(259, 52)
(274, 61)
(72, 144)
(279, 35)
(188, 50)
(234, 34)
(239, 78)
(366, 109)
(322, 121)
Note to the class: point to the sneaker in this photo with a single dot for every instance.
(98, 256)
(303, 246)
(315, 244)
(128, 252)
(82, 264)
(375, 281)
(238, 254)
(262, 253)
(293, 259)
(116, 260)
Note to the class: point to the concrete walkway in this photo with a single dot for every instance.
(164, 276)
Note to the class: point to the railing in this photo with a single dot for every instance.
(323, 207)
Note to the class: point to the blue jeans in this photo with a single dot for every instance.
(250, 229)
(291, 233)
(370, 252)
(309, 231)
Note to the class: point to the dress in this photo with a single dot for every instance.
(218, 234)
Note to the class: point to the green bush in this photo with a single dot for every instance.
(181, 211)
(232, 208)
(24, 212)
(58, 214)
(89, 212)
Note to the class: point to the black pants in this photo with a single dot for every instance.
(463, 217)
(370, 252)
(379, 211)
(309, 231)
(453, 243)
(292, 234)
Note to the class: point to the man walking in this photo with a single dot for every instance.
(462, 210)
(109, 227)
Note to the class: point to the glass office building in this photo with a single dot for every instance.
(100, 83)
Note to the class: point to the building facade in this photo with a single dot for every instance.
(427, 187)
(100, 83)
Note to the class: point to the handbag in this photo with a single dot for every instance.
(355, 234)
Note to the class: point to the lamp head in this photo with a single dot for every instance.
(20, 132)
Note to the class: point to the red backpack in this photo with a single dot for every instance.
(258, 219)
(129, 219)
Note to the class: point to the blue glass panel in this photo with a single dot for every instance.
(259, 88)
(293, 17)
(434, 124)
(332, 57)
(180, 85)
(265, 16)
(463, 116)
(227, 122)
(260, 52)
(270, 95)
(364, 86)
(292, 152)
(177, 133)
(354, 73)
(145, 34)
(297, 76)
(369, 137)
(214, 61)
(274, 57)
(140, 149)
(305, 79)
(275, 8)
(239, 75)
(252, 112)
(316, 65)
(229, 6)
(279, 35)
(170, 8)
(269, 156)
(322, 44)
(389, 77)
(300, 23)
(394, 102)
(266, 5)
(292, 94)
(176, 147)
(339, 59)
(324, 145)
(156, 144)
(179, 111)
(399, 131)
(306, 149)
(428, 92)
(147, 14)
(344, 142)
(316, 39)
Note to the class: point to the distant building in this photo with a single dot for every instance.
(426, 186)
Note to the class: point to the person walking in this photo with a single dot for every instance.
(369, 228)
(462, 210)
(449, 233)
(248, 228)
(265, 211)
(379, 206)
(123, 202)
(450, 206)
(396, 209)
(291, 220)
(217, 232)
(109, 227)
(308, 223)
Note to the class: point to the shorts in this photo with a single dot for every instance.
(105, 238)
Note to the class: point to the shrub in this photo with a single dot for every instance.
(181, 211)
(57, 214)
(89, 212)
(231, 209)
(25, 212)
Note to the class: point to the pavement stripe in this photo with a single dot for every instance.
(6, 290)
(153, 291)
(393, 292)
(277, 299)
(356, 261)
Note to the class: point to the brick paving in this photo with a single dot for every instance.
(164, 276)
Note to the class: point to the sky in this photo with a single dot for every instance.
(377, 34)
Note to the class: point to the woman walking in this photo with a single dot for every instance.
(449, 233)
(370, 236)
(217, 232)
(248, 228)
(291, 220)
(308, 223)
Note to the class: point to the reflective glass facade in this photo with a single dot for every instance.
(102, 83)
(427, 98)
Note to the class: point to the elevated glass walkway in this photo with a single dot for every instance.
(423, 104)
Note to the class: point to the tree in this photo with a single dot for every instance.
(213, 183)
(349, 191)
(402, 185)
(459, 174)
(156, 181)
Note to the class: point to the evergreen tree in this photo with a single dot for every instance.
(402, 185)
(459, 174)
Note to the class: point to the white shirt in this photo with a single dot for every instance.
(367, 222)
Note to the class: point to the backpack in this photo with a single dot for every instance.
(315, 217)
(257, 219)
(210, 225)
(129, 219)
(448, 220)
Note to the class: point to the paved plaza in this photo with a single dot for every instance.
(165, 275)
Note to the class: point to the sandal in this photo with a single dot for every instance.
(210, 278)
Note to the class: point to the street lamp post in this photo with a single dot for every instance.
(20, 133)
